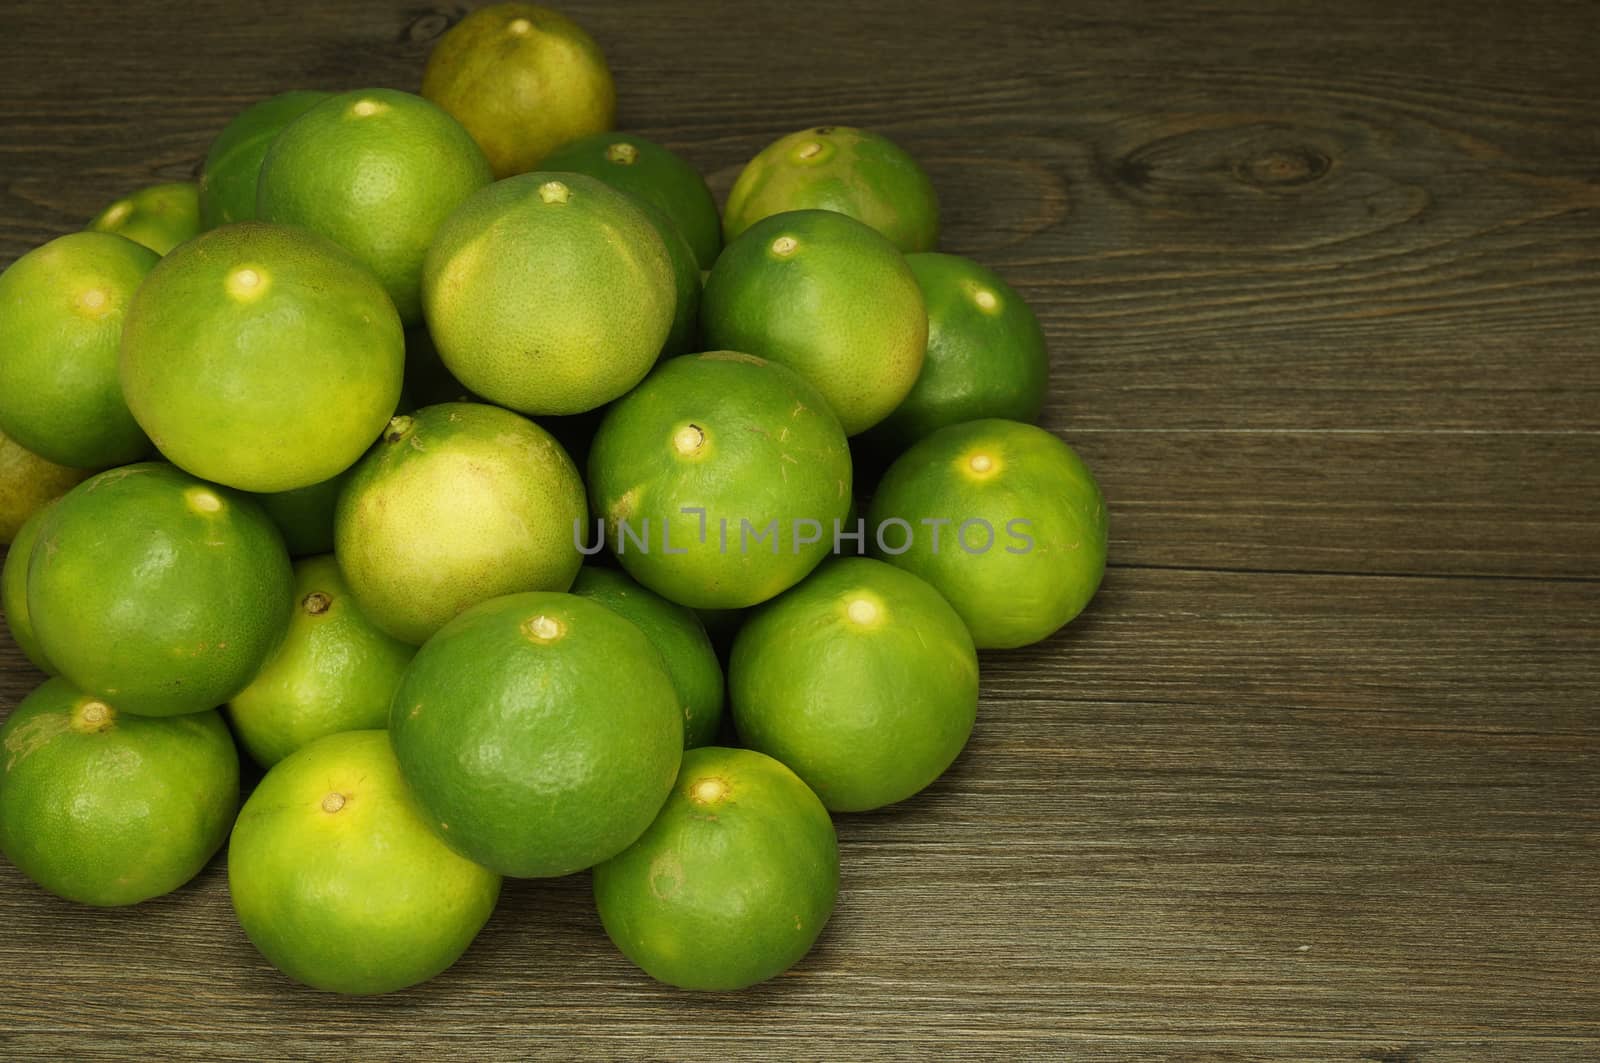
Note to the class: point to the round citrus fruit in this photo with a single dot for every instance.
(540, 733)
(1005, 521)
(457, 503)
(156, 591)
(732, 883)
(14, 591)
(160, 217)
(649, 172)
(337, 879)
(333, 671)
(262, 357)
(305, 515)
(861, 679)
(680, 637)
(233, 165)
(61, 320)
(721, 479)
(28, 482)
(549, 293)
(684, 333)
(376, 171)
(986, 354)
(522, 79)
(851, 171)
(831, 299)
(107, 808)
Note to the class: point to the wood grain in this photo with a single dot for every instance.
(1316, 778)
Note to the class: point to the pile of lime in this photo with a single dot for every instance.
(288, 465)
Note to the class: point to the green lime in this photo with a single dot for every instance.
(305, 515)
(986, 353)
(862, 679)
(720, 479)
(14, 590)
(156, 591)
(540, 733)
(522, 79)
(677, 633)
(333, 672)
(1005, 521)
(829, 298)
(107, 808)
(837, 168)
(28, 482)
(457, 504)
(549, 293)
(337, 879)
(262, 357)
(160, 217)
(732, 883)
(684, 335)
(651, 173)
(376, 171)
(233, 165)
(61, 315)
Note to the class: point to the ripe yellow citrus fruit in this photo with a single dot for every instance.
(28, 482)
(523, 79)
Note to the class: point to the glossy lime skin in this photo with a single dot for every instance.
(262, 357)
(28, 482)
(375, 171)
(986, 353)
(678, 634)
(457, 504)
(549, 293)
(829, 298)
(160, 216)
(850, 171)
(158, 592)
(540, 733)
(14, 591)
(233, 165)
(305, 515)
(769, 450)
(333, 671)
(861, 679)
(647, 171)
(1037, 573)
(732, 883)
(337, 879)
(107, 808)
(62, 308)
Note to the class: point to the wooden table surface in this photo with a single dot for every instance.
(1314, 779)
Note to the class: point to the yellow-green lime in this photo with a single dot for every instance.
(14, 590)
(233, 165)
(862, 679)
(549, 293)
(61, 320)
(523, 79)
(684, 334)
(376, 171)
(106, 808)
(829, 298)
(333, 671)
(720, 479)
(732, 883)
(851, 171)
(679, 636)
(540, 733)
(457, 503)
(647, 171)
(262, 357)
(337, 879)
(156, 591)
(160, 216)
(1004, 519)
(986, 353)
(27, 483)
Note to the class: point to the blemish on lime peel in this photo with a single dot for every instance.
(622, 153)
(367, 108)
(116, 212)
(202, 500)
(980, 465)
(247, 284)
(554, 192)
(333, 802)
(809, 150)
(92, 715)
(399, 428)
(519, 27)
(316, 603)
(94, 301)
(865, 611)
(784, 246)
(688, 440)
(708, 791)
(987, 301)
(543, 628)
